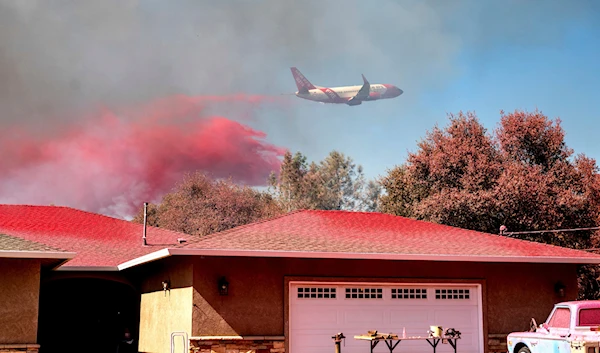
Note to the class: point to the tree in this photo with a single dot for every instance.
(335, 183)
(201, 206)
(369, 202)
(523, 176)
(450, 179)
(293, 185)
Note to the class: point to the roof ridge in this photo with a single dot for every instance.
(95, 214)
(65, 207)
(487, 233)
(264, 220)
(356, 212)
(490, 234)
(481, 233)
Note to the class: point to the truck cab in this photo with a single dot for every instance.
(571, 327)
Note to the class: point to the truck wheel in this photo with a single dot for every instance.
(524, 350)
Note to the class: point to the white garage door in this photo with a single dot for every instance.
(319, 311)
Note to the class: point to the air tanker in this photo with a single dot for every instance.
(350, 95)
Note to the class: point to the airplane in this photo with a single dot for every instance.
(350, 95)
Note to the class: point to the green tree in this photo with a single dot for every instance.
(335, 183)
(201, 206)
(369, 201)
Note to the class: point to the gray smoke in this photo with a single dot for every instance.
(59, 58)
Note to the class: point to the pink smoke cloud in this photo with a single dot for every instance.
(110, 164)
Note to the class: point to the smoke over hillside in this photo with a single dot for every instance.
(110, 165)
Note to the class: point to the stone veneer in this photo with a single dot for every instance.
(497, 343)
(275, 344)
(19, 348)
(237, 344)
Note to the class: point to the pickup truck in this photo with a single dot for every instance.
(571, 327)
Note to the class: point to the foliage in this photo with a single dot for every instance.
(335, 183)
(523, 176)
(201, 206)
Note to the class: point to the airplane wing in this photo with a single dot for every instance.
(364, 91)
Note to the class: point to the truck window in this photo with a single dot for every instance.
(589, 317)
(561, 318)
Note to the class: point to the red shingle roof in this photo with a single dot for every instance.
(101, 241)
(341, 232)
(98, 240)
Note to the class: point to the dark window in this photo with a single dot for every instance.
(589, 317)
(452, 294)
(364, 293)
(316, 293)
(409, 293)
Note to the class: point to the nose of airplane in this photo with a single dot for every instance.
(392, 91)
(397, 91)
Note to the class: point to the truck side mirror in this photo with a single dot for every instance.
(532, 325)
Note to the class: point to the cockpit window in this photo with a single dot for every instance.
(560, 318)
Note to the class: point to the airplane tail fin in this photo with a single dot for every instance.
(301, 82)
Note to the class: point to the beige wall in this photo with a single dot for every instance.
(257, 300)
(164, 312)
(19, 300)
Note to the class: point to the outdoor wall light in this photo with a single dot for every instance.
(559, 289)
(223, 286)
(166, 285)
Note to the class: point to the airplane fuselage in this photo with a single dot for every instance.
(344, 93)
(350, 95)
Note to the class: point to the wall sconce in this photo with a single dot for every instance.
(559, 289)
(223, 286)
(166, 285)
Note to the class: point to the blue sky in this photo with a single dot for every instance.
(553, 69)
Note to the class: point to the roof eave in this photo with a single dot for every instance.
(28, 254)
(157, 255)
(356, 256)
(88, 268)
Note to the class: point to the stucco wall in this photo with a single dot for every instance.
(164, 312)
(19, 298)
(256, 304)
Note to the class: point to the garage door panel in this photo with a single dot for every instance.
(321, 342)
(419, 317)
(456, 317)
(356, 309)
(359, 316)
(324, 318)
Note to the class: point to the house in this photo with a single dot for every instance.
(22, 263)
(290, 283)
(85, 299)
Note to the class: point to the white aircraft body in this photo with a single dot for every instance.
(350, 95)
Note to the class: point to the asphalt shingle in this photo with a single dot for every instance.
(98, 240)
(375, 233)
(9, 243)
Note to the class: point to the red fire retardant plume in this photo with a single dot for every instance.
(111, 162)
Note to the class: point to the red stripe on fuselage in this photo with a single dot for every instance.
(373, 96)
